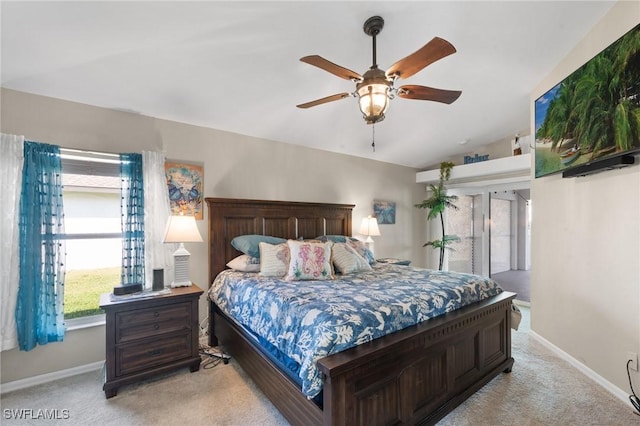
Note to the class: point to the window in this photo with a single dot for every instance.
(93, 232)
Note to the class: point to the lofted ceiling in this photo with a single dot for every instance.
(235, 66)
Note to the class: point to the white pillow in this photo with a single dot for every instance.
(347, 260)
(274, 259)
(244, 263)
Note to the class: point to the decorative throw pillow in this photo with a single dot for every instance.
(334, 238)
(309, 261)
(347, 260)
(249, 244)
(274, 259)
(362, 250)
(244, 263)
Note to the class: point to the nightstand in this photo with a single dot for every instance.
(150, 335)
(394, 261)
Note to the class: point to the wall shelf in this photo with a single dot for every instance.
(500, 170)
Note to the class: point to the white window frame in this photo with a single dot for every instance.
(96, 164)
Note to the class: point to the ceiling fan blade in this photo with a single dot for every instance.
(436, 49)
(425, 93)
(329, 66)
(324, 100)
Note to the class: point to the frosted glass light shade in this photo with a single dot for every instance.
(373, 101)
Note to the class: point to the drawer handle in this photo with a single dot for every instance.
(156, 314)
(156, 352)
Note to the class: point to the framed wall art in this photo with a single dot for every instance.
(185, 182)
(385, 212)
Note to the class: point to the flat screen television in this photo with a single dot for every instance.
(592, 114)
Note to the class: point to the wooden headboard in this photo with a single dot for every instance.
(230, 217)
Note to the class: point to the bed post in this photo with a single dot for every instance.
(213, 339)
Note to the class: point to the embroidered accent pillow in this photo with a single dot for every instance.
(274, 259)
(347, 260)
(245, 263)
(309, 261)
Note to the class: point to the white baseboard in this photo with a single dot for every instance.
(49, 377)
(613, 389)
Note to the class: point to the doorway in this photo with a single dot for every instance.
(495, 236)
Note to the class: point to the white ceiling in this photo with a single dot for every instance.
(235, 65)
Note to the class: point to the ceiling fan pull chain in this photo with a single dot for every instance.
(373, 138)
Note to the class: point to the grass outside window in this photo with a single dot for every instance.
(82, 290)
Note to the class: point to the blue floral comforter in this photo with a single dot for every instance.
(308, 320)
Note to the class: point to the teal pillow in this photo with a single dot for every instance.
(334, 238)
(249, 244)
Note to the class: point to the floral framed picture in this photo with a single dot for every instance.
(385, 212)
(185, 182)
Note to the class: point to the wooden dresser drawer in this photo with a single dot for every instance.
(148, 354)
(133, 325)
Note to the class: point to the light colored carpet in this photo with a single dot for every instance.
(223, 395)
(541, 390)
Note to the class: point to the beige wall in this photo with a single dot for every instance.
(235, 166)
(585, 291)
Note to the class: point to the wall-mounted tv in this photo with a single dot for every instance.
(592, 114)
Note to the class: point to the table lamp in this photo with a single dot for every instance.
(181, 229)
(369, 227)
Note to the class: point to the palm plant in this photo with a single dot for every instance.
(437, 203)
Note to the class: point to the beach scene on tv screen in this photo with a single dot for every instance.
(593, 113)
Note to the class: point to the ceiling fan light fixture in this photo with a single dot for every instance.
(373, 100)
(375, 88)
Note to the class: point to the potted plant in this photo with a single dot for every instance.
(437, 203)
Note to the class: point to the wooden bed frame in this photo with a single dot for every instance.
(413, 376)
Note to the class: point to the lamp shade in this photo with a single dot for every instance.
(182, 229)
(369, 227)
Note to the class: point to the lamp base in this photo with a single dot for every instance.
(181, 272)
(369, 244)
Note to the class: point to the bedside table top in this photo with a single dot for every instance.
(108, 299)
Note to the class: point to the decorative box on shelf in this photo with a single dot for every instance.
(394, 261)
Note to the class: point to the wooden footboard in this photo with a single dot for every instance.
(414, 376)
(280, 389)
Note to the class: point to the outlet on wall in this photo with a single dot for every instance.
(633, 357)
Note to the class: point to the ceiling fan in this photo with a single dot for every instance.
(375, 88)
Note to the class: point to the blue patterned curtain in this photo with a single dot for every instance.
(39, 309)
(132, 210)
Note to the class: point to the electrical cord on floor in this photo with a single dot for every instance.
(208, 360)
(204, 326)
(212, 357)
(633, 398)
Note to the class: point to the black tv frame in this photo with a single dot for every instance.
(595, 164)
